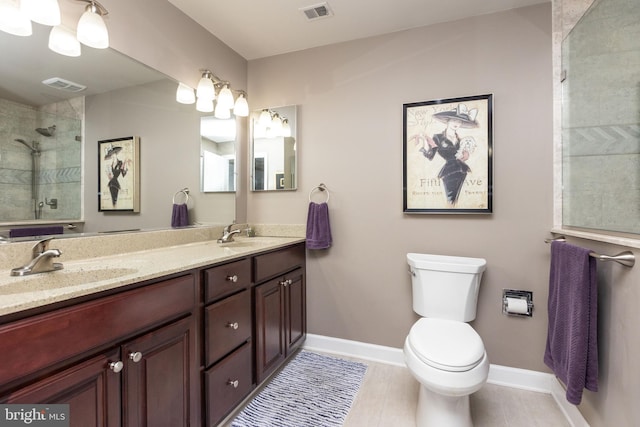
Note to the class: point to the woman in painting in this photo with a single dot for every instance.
(117, 168)
(452, 148)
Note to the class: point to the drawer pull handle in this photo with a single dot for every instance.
(234, 383)
(233, 278)
(116, 366)
(233, 325)
(135, 356)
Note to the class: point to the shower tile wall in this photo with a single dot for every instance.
(601, 133)
(60, 160)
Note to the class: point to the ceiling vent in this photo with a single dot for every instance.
(317, 11)
(62, 84)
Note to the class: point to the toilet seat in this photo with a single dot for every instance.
(446, 344)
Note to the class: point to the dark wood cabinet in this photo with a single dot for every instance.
(129, 359)
(280, 308)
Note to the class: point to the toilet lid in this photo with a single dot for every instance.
(446, 344)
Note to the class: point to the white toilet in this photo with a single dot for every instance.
(443, 352)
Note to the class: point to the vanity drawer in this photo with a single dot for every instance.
(228, 383)
(226, 279)
(278, 262)
(227, 325)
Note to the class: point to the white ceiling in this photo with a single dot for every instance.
(261, 28)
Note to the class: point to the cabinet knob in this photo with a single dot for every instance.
(116, 366)
(286, 282)
(135, 356)
(233, 325)
(234, 383)
(233, 278)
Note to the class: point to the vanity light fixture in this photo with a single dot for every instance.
(270, 124)
(286, 128)
(185, 94)
(45, 12)
(206, 95)
(265, 118)
(14, 18)
(92, 31)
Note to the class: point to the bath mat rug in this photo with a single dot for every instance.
(313, 390)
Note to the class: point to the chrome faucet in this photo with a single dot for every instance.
(227, 234)
(41, 260)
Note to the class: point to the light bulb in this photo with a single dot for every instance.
(205, 88)
(204, 105)
(265, 118)
(184, 94)
(241, 109)
(45, 12)
(14, 18)
(286, 128)
(92, 31)
(276, 125)
(63, 41)
(225, 97)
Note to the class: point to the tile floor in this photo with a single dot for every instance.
(389, 394)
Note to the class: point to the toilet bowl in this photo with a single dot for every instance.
(449, 361)
(443, 352)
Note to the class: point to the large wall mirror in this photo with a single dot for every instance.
(274, 149)
(600, 118)
(49, 139)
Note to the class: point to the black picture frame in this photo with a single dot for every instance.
(448, 156)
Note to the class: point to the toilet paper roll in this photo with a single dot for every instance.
(517, 306)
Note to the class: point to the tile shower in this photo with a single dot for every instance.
(600, 109)
(58, 170)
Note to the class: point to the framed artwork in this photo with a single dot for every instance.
(448, 151)
(119, 175)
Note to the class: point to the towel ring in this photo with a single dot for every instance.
(184, 191)
(320, 187)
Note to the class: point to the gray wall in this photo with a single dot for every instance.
(350, 138)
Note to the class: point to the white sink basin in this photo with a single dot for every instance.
(62, 279)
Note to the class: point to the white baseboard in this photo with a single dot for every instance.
(500, 375)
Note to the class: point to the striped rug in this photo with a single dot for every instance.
(313, 390)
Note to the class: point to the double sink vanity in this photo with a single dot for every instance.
(172, 336)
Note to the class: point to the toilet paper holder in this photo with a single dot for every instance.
(520, 298)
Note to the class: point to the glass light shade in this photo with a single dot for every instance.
(45, 12)
(205, 89)
(92, 30)
(225, 97)
(184, 94)
(276, 125)
(265, 118)
(204, 105)
(63, 41)
(222, 112)
(286, 128)
(14, 19)
(241, 109)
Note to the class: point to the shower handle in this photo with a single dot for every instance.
(53, 203)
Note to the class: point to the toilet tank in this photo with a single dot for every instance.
(445, 287)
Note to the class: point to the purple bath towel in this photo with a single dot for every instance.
(318, 227)
(36, 231)
(180, 215)
(572, 340)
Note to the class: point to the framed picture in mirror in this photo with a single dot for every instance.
(119, 175)
(448, 150)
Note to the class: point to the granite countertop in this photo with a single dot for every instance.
(84, 277)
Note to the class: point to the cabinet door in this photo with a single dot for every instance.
(91, 389)
(160, 386)
(295, 310)
(270, 348)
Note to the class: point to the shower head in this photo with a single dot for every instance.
(50, 131)
(33, 148)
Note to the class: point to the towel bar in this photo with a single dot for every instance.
(626, 258)
(320, 187)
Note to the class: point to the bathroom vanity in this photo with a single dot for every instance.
(182, 348)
